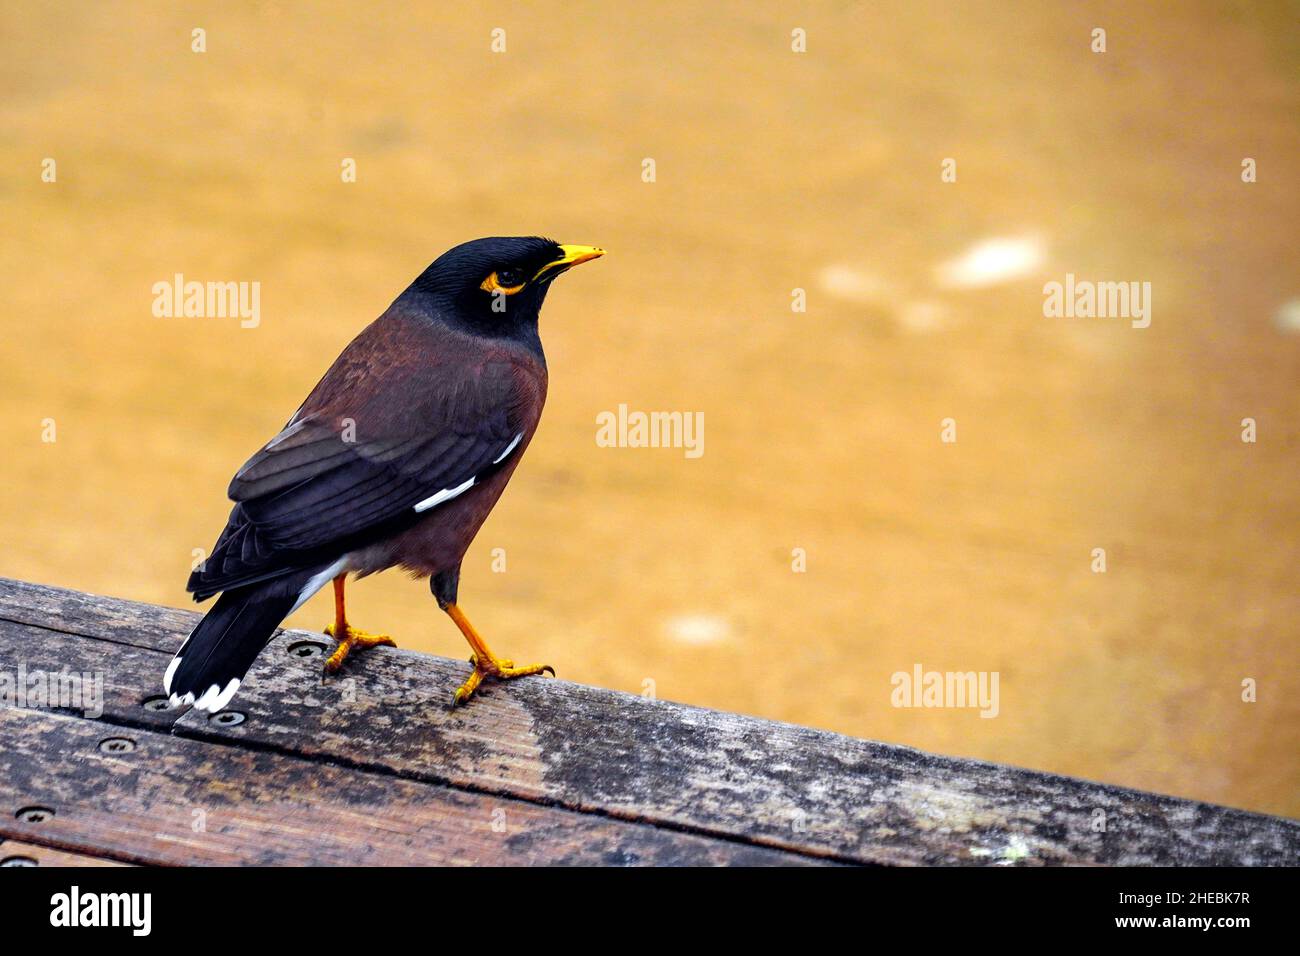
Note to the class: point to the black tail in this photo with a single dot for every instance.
(206, 671)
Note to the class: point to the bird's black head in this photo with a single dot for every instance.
(495, 286)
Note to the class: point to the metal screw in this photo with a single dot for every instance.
(34, 814)
(306, 649)
(117, 745)
(227, 718)
(157, 703)
(18, 861)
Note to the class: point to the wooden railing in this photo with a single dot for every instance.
(372, 766)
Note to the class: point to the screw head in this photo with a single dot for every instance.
(117, 745)
(306, 649)
(156, 703)
(34, 814)
(227, 718)
(18, 861)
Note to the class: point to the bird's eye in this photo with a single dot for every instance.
(505, 281)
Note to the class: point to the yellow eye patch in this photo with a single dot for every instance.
(493, 284)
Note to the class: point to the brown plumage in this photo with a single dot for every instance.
(395, 459)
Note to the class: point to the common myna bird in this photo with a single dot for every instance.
(394, 460)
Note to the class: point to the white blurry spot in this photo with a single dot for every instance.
(1015, 851)
(1288, 316)
(991, 262)
(922, 315)
(852, 285)
(697, 628)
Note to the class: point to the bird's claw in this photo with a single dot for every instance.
(499, 668)
(351, 640)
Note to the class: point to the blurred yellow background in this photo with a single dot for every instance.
(775, 170)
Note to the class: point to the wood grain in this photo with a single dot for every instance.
(91, 615)
(600, 754)
(174, 801)
(127, 675)
(18, 853)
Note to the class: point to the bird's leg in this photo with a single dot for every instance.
(349, 637)
(486, 664)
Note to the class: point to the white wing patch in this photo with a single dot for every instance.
(448, 493)
(509, 448)
(444, 495)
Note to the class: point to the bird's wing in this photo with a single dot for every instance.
(346, 467)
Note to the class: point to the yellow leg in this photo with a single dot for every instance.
(349, 638)
(486, 664)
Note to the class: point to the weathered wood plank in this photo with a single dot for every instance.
(18, 853)
(722, 774)
(170, 800)
(126, 675)
(111, 619)
(782, 785)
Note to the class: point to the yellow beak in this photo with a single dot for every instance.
(572, 256)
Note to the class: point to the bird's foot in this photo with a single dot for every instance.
(498, 667)
(352, 640)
